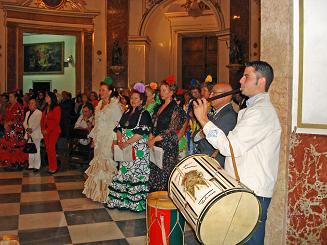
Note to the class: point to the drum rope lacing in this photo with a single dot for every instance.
(161, 224)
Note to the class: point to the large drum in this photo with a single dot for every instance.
(165, 223)
(219, 209)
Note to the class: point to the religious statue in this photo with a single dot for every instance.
(235, 53)
(116, 54)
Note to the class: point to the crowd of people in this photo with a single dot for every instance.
(147, 115)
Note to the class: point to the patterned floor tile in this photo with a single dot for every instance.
(79, 204)
(42, 172)
(15, 181)
(39, 187)
(39, 196)
(108, 242)
(10, 233)
(47, 236)
(10, 198)
(140, 240)
(41, 220)
(8, 222)
(69, 178)
(94, 232)
(10, 175)
(69, 173)
(132, 228)
(117, 214)
(48, 210)
(38, 180)
(70, 194)
(9, 209)
(87, 216)
(40, 207)
(10, 189)
(70, 185)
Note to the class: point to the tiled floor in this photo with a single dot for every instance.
(43, 209)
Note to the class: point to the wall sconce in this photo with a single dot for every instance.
(99, 53)
(70, 60)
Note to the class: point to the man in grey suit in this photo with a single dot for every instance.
(223, 117)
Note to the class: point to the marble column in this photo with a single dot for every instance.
(223, 55)
(276, 49)
(138, 59)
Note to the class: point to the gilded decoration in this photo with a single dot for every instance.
(150, 4)
(192, 180)
(75, 5)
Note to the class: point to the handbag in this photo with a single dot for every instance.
(125, 154)
(30, 147)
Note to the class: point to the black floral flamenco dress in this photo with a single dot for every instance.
(166, 124)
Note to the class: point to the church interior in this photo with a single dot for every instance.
(146, 40)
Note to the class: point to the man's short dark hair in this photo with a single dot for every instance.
(264, 69)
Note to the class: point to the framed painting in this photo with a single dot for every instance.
(44, 58)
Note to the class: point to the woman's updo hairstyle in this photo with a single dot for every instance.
(109, 83)
(139, 88)
(170, 82)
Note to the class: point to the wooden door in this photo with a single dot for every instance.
(199, 58)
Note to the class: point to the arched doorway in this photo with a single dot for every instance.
(162, 49)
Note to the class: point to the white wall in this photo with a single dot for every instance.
(314, 85)
(61, 82)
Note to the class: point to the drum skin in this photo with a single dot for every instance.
(218, 208)
(165, 224)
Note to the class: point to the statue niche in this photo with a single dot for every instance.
(116, 58)
(235, 52)
(116, 54)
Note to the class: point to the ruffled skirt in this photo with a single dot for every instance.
(100, 174)
(129, 187)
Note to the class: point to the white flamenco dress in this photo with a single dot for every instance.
(102, 167)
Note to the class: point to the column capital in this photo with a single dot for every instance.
(139, 40)
(223, 34)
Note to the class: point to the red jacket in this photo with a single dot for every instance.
(51, 121)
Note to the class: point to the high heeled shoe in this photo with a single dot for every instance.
(52, 171)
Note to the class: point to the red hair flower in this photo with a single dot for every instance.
(153, 86)
(170, 79)
(180, 91)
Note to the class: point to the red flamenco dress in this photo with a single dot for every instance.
(11, 146)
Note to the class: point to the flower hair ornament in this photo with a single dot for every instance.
(180, 91)
(153, 85)
(170, 80)
(140, 87)
(108, 81)
(208, 79)
(194, 83)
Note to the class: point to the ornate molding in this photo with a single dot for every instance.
(74, 5)
(150, 4)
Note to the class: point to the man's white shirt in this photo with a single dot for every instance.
(256, 145)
